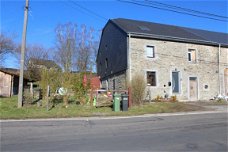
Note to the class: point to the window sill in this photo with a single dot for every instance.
(193, 62)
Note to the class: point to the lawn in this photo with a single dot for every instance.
(9, 110)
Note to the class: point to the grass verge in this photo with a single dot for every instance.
(9, 110)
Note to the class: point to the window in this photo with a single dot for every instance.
(113, 84)
(106, 63)
(175, 82)
(192, 55)
(150, 51)
(151, 78)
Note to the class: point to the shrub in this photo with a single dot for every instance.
(27, 97)
(138, 86)
(52, 78)
(173, 98)
(158, 98)
(72, 82)
(80, 91)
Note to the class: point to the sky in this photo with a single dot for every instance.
(45, 15)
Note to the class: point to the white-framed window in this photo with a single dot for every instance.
(192, 55)
(151, 78)
(150, 51)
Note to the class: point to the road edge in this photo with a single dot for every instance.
(113, 117)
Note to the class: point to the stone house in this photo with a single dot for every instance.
(43, 63)
(36, 65)
(189, 63)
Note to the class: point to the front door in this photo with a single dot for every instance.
(193, 88)
(226, 81)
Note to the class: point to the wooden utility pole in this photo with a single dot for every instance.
(23, 46)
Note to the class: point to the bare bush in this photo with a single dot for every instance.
(138, 86)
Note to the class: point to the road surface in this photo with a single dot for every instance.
(195, 132)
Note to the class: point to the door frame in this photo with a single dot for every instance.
(179, 84)
(197, 81)
(224, 82)
(180, 93)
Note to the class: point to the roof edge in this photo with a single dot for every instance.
(144, 35)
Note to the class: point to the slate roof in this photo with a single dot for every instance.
(164, 31)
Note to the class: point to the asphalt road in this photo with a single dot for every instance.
(198, 132)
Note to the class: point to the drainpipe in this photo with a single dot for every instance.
(129, 56)
(219, 77)
(129, 69)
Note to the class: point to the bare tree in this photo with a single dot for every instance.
(87, 48)
(66, 45)
(83, 53)
(7, 45)
(94, 44)
(75, 48)
(35, 51)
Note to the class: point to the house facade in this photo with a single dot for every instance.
(191, 64)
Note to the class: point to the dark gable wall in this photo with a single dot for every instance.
(113, 46)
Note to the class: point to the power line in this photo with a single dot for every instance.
(88, 10)
(171, 10)
(187, 9)
(83, 11)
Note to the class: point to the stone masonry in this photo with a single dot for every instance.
(173, 56)
(120, 82)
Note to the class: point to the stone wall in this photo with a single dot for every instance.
(173, 56)
(120, 82)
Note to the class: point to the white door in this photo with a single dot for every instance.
(193, 88)
(226, 81)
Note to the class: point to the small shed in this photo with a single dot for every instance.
(9, 82)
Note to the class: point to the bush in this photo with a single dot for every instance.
(79, 89)
(52, 78)
(173, 98)
(158, 98)
(27, 97)
(138, 86)
(72, 82)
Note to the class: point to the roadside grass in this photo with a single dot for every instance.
(9, 110)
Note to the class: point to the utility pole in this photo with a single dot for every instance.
(23, 46)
